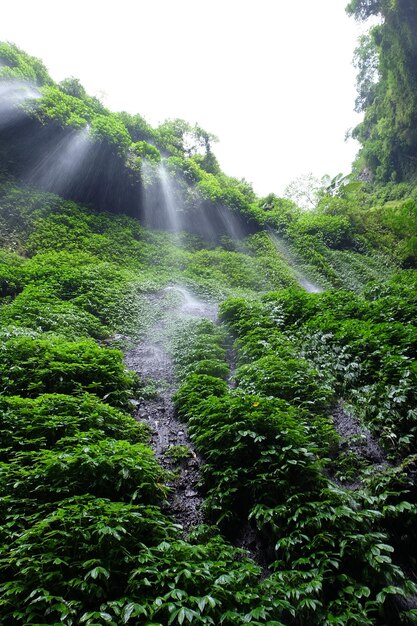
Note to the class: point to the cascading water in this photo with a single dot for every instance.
(231, 225)
(171, 206)
(162, 200)
(306, 284)
(151, 360)
(283, 250)
(165, 207)
(12, 94)
(191, 306)
(59, 168)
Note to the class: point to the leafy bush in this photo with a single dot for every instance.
(256, 450)
(208, 583)
(334, 231)
(10, 281)
(196, 388)
(38, 308)
(290, 379)
(198, 341)
(61, 108)
(108, 129)
(42, 422)
(332, 564)
(114, 580)
(74, 557)
(395, 299)
(117, 470)
(239, 270)
(30, 367)
(17, 64)
(147, 151)
(209, 367)
(262, 342)
(102, 290)
(241, 315)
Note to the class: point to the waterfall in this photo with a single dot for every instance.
(171, 208)
(162, 200)
(58, 170)
(285, 253)
(12, 94)
(152, 361)
(192, 306)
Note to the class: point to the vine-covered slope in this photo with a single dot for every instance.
(301, 406)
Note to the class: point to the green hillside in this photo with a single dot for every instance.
(208, 399)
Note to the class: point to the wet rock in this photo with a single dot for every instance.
(248, 539)
(151, 361)
(356, 437)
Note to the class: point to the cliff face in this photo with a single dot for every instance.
(296, 411)
(52, 159)
(71, 163)
(59, 139)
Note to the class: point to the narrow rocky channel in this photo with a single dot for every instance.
(357, 439)
(150, 359)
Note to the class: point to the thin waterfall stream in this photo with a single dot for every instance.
(282, 249)
(354, 436)
(151, 360)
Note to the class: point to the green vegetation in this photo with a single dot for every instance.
(178, 453)
(80, 487)
(328, 530)
(387, 78)
(269, 448)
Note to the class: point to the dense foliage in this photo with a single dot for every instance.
(302, 406)
(80, 487)
(387, 85)
(272, 456)
(121, 147)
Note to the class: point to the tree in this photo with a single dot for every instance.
(73, 87)
(17, 64)
(305, 191)
(138, 127)
(386, 60)
(179, 138)
(366, 62)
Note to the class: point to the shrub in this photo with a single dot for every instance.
(290, 379)
(10, 281)
(30, 367)
(111, 131)
(335, 231)
(255, 450)
(37, 423)
(209, 367)
(196, 388)
(38, 308)
(73, 557)
(261, 342)
(117, 470)
(18, 64)
(61, 108)
(147, 151)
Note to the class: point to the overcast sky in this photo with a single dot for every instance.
(273, 79)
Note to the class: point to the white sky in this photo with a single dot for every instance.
(273, 79)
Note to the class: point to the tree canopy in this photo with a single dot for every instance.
(386, 60)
